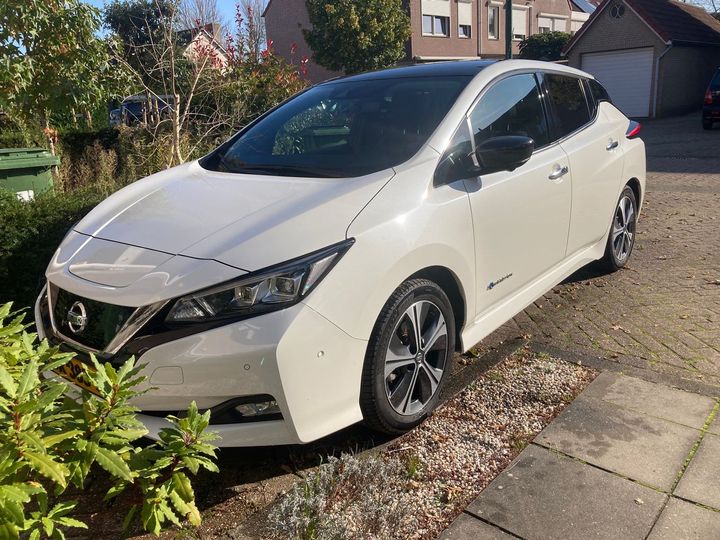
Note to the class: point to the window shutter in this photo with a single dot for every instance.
(519, 22)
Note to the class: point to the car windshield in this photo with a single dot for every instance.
(342, 129)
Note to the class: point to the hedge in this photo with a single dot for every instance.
(30, 232)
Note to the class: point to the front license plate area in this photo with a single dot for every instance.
(73, 372)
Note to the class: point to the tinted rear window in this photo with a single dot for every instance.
(343, 129)
(570, 109)
(715, 83)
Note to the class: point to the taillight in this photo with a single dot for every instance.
(633, 129)
(708, 97)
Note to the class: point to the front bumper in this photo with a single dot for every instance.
(306, 363)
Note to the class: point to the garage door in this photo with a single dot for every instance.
(627, 75)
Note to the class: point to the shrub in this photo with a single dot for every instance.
(348, 497)
(547, 46)
(30, 232)
(49, 441)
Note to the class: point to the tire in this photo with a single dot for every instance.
(621, 238)
(707, 124)
(399, 399)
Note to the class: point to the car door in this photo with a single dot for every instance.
(520, 217)
(592, 143)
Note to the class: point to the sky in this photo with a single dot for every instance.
(227, 7)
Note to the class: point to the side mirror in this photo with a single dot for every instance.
(505, 153)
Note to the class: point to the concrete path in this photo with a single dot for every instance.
(627, 459)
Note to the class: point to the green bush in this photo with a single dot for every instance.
(30, 232)
(49, 442)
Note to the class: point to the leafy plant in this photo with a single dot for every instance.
(546, 46)
(355, 36)
(49, 441)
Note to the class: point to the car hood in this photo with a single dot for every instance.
(246, 221)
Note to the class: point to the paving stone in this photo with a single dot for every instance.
(467, 527)
(543, 495)
(685, 521)
(701, 481)
(652, 399)
(643, 448)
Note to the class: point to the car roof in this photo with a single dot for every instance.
(454, 68)
(431, 69)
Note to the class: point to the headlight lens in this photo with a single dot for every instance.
(260, 292)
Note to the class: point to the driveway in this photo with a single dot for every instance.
(662, 311)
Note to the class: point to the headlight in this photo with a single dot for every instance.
(267, 290)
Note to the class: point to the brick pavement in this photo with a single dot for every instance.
(663, 310)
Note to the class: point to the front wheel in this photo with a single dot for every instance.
(409, 357)
(621, 239)
(707, 124)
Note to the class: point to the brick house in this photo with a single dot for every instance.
(655, 57)
(441, 29)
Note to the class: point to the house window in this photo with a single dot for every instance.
(493, 16)
(464, 31)
(519, 24)
(550, 24)
(435, 25)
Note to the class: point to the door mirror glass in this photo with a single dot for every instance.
(505, 153)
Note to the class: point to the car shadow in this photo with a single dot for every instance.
(588, 272)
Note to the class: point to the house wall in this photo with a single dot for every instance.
(441, 47)
(684, 74)
(285, 19)
(480, 44)
(284, 23)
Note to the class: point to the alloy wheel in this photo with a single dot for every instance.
(416, 358)
(623, 233)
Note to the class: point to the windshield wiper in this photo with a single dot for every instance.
(286, 170)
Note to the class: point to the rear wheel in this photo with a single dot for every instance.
(621, 239)
(707, 124)
(408, 358)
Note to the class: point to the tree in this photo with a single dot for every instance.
(137, 24)
(194, 13)
(53, 61)
(546, 46)
(198, 90)
(355, 36)
(250, 22)
(711, 6)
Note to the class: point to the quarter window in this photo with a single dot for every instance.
(569, 105)
(511, 107)
(598, 91)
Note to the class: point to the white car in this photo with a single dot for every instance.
(322, 266)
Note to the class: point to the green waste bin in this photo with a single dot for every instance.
(26, 171)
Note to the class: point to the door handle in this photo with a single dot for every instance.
(558, 173)
(612, 145)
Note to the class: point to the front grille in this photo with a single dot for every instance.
(101, 324)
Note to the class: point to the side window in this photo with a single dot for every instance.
(511, 107)
(455, 161)
(569, 105)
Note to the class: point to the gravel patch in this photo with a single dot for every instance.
(417, 485)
